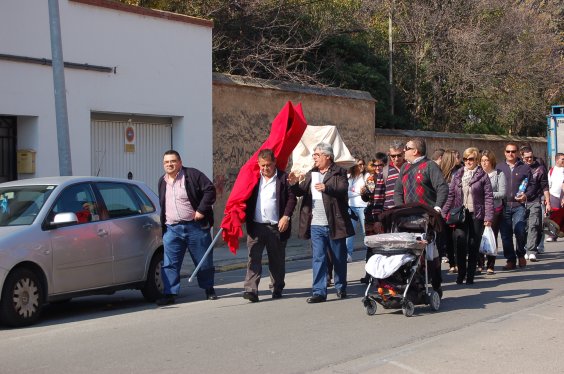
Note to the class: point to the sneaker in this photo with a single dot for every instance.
(490, 271)
(526, 256)
(532, 257)
(349, 258)
(549, 239)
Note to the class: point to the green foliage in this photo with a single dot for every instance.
(483, 66)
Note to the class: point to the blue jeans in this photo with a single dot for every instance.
(321, 242)
(350, 240)
(177, 239)
(513, 222)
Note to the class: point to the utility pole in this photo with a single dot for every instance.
(63, 139)
(391, 59)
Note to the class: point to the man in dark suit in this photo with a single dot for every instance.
(268, 214)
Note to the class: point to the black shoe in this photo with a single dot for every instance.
(470, 281)
(341, 294)
(251, 296)
(316, 299)
(365, 280)
(166, 300)
(210, 294)
(277, 294)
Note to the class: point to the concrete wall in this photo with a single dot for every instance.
(162, 68)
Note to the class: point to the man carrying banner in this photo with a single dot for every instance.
(324, 218)
(269, 210)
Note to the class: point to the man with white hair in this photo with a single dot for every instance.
(324, 219)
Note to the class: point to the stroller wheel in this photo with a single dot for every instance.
(408, 308)
(370, 306)
(434, 300)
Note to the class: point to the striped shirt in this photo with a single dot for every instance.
(393, 174)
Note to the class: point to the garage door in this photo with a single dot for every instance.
(123, 148)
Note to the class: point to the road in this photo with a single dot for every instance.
(509, 322)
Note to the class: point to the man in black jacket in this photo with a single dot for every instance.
(186, 197)
(268, 214)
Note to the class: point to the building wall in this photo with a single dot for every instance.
(162, 67)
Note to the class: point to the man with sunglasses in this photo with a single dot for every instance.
(392, 170)
(421, 181)
(513, 220)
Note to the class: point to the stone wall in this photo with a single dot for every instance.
(244, 108)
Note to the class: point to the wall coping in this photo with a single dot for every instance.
(239, 80)
(115, 5)
(434, 134)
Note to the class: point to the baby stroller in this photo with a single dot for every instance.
(397, 268)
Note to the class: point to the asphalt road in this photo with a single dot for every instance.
(511, 322)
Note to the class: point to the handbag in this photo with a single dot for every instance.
(456, 216)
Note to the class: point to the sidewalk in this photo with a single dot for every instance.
(224, 260)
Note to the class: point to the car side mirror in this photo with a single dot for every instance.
(64, 219)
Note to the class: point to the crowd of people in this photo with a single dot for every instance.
(468, 192)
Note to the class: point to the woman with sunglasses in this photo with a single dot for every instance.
(472, 189)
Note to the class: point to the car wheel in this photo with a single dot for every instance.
(153, 288)
(22, 298)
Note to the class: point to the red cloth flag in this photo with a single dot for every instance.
(286, 131)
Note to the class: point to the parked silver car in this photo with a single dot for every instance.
(64, 237)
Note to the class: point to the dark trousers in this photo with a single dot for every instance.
(266, 236)
(467, 238)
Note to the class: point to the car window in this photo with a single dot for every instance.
(80, 200)
(119, 199)
(146, 204)
(20, 205)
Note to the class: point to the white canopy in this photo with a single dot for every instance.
(302, 160)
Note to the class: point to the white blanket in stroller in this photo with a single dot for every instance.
(381, 267)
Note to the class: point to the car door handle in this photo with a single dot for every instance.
(102, 233)
(148, 226)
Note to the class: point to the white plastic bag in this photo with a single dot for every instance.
(487, 245)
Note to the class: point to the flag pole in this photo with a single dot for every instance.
(205, 255)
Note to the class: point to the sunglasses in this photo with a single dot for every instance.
(510, 151)
(468, 159)
(396, 156)
(408, 148)
(378, 165)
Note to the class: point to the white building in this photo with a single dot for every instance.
(128, 70)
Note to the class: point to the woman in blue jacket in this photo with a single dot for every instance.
(472, 189)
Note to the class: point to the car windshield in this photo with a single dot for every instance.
(20, 205)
